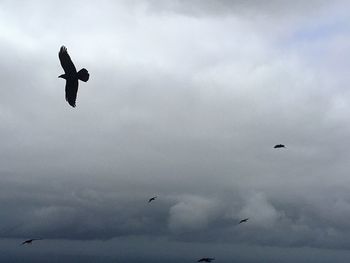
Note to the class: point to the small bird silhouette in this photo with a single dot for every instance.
(279, 146)
(152, 199)
(243, 220)
(30, 241)
(71, 76)
(205, 260)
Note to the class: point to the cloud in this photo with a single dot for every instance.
(237, 7)
(260, 211)
(192, 213)
(187, 107)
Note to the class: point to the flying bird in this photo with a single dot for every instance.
(243, 220)
(71, 76)
(205, 260)
(152, 199)
(279, 146)
(30, 241)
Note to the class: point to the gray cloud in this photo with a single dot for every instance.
(192, 212)
(238, 7)
(186, 107)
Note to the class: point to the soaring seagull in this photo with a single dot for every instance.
(30, 241)
(243, 220)
(279, 146)
(205, 260)
(152, 199)
(71, 76)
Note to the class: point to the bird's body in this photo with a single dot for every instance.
(279, 146)
(152, 199)
(71, 76)
(30, 241)
(205, 260)
(243, 220)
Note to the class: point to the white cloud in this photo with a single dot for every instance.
(260, 212)
(192, 213)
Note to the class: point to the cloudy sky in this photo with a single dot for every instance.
(186, 100)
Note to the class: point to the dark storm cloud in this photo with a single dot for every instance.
(142, 250)
(184, 108)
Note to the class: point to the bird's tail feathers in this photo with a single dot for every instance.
(83, 74)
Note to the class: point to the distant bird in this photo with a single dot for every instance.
(279, 146)
(71, 76)
(30, 241)
(243, 220)
(152, 199)
(205, 260)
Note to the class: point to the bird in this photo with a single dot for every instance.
(152, 199)
(279, 146)
(243, 220)
(30, 241)
(71, 76)
(205, 260)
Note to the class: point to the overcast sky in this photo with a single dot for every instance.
(186, 100)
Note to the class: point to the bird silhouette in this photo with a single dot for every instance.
(30, 241)
(279, 146)
(152, 199)
(205, 260)
(243, 220)
(71, 76)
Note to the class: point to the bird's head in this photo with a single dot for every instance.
(63, 76)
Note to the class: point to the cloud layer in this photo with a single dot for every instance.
(186, 100)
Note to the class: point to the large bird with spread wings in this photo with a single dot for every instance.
(71, 76)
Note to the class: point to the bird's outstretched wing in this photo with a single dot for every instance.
(66, 62)
(71, 91)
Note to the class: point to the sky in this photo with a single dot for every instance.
(185, 101)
